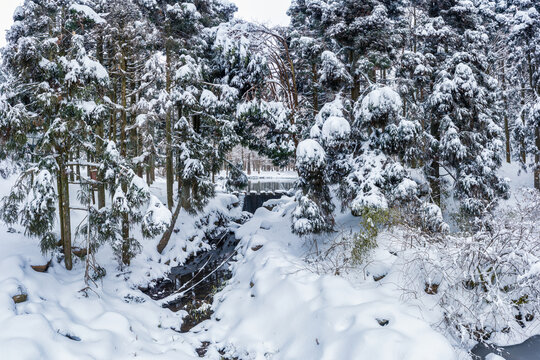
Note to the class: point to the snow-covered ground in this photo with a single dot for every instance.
(276, 306)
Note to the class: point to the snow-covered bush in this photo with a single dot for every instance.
(314, 208)
(372, 220)
(307, 218)
(485, 281)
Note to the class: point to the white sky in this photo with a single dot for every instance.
(7, 8)
(271, 12)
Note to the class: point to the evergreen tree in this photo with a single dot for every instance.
(313, 213)
(467, 140)
(52, 78)
(523, 19)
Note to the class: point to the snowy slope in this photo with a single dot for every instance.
(111, 321)
(276, 308)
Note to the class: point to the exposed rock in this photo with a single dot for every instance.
(17, 299)
(257, 248)
(431, 289)
(41, 268)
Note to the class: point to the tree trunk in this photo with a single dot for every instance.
(100, 148)
(186, 193)
(168, 136)
(537, 160)
(123, 113)
(434, 169)
(126, 256)
(167, 235)
(65, 221)
(506, 122)
(112, 124)
(523, 153)
(100, 175)
(315, 79)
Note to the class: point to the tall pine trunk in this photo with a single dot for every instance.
(168, 135)
(63, 202)
(126, 256)
(434, 169)
(100, 148)
(537, 160)
(506, 122)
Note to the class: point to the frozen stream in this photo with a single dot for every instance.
(528, 350)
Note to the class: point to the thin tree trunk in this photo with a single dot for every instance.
(434, 170)
(506, 123)
(523, 152)
(167, 235)
(100, 175)
(65, 212)
(315, 79)
(537, 160)
(168, 136)
(100, 148)
(126, 255)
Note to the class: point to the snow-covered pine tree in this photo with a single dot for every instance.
(523, 19)
(467, 139)
(181, 26)
(388, 146)
(51, 78)
(313, 212)
(332, 130)
(134, 205)
(271, 109)
(357, 40)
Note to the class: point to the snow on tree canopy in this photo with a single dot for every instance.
(111, 151)
(525, 19)
(208, 100)
(383, 100)
(334, 108)
(88, 12)
(184, 11)
(335, 128)
(119, 200)
(188, 71)
(310, 152)
(332, 69)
